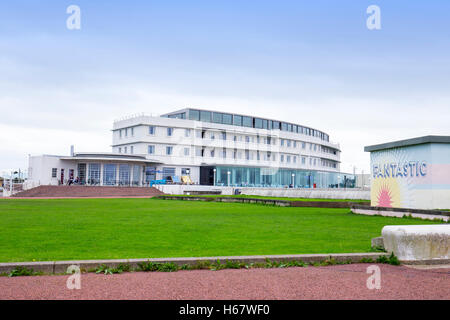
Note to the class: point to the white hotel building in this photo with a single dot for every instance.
(213, 148)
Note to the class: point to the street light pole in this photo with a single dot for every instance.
(214, 182)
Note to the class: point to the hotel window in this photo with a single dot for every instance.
(132, 131)
(217, 117)
(194, 115)
(265, 124)
(235, 154)
(288, 142)
(247, 154)
(54, 172)
(212, 153)
(120, 134)
(212, 136)
(126, 132)
(224, 153)
(131, 149)
(120, 150)
(288, 159)
(151, 149)
(295, 144)
(284, 126)
(185, 171)
(282, 158)
(290, 127)
(303, 145)
(151, 130)
(282, 142)
(314, 162)
(169, 132)
(237, 120)
(303, 160)
(125, 150)
(186, 151)
(187, 132)
(247, 122)
(169, 150)
(269, 140)
(224, 135)
(247, 139)
(258, 123)
(315, 147)
(257, 155)
(205, 116)
(234, 138)
(94, 173)
(295, 159)
(227, 118)
(276, 125)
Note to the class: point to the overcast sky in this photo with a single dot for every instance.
(309, 62)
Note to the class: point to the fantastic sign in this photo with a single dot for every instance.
(400, 170)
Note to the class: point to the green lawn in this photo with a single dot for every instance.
(142, 228)
(274, 198)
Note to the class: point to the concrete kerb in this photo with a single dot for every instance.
(60, 267)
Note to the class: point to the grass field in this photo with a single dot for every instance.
(143, 228)
(275, 198)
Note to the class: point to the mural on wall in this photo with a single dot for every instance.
(396, 174)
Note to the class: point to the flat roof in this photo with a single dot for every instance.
(408, 142)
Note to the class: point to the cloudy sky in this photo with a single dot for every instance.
(309, 62)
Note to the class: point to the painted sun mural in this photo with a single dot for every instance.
(386, 193)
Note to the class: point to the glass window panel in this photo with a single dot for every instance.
(109, 174)
(194, 115)
(247, 122)
(258, 123)
(227, 119)
(217, 117)
(237, 120)
(205, 116)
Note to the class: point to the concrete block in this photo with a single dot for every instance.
(377, 242)
(418, 242)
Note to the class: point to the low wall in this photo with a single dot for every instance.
(352, 194)
(275, 202)
(418, 243)
(400, 212)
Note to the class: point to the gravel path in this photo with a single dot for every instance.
(332, 282)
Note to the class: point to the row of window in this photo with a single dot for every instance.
(247, 139)
(266, 156)
(251, 122)
(124, 132)
(125, 149)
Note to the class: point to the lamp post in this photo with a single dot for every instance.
(214, 171)
(293, 180)
(228, 177)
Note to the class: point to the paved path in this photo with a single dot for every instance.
(333, 282)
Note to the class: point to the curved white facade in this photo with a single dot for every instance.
(191, 139)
